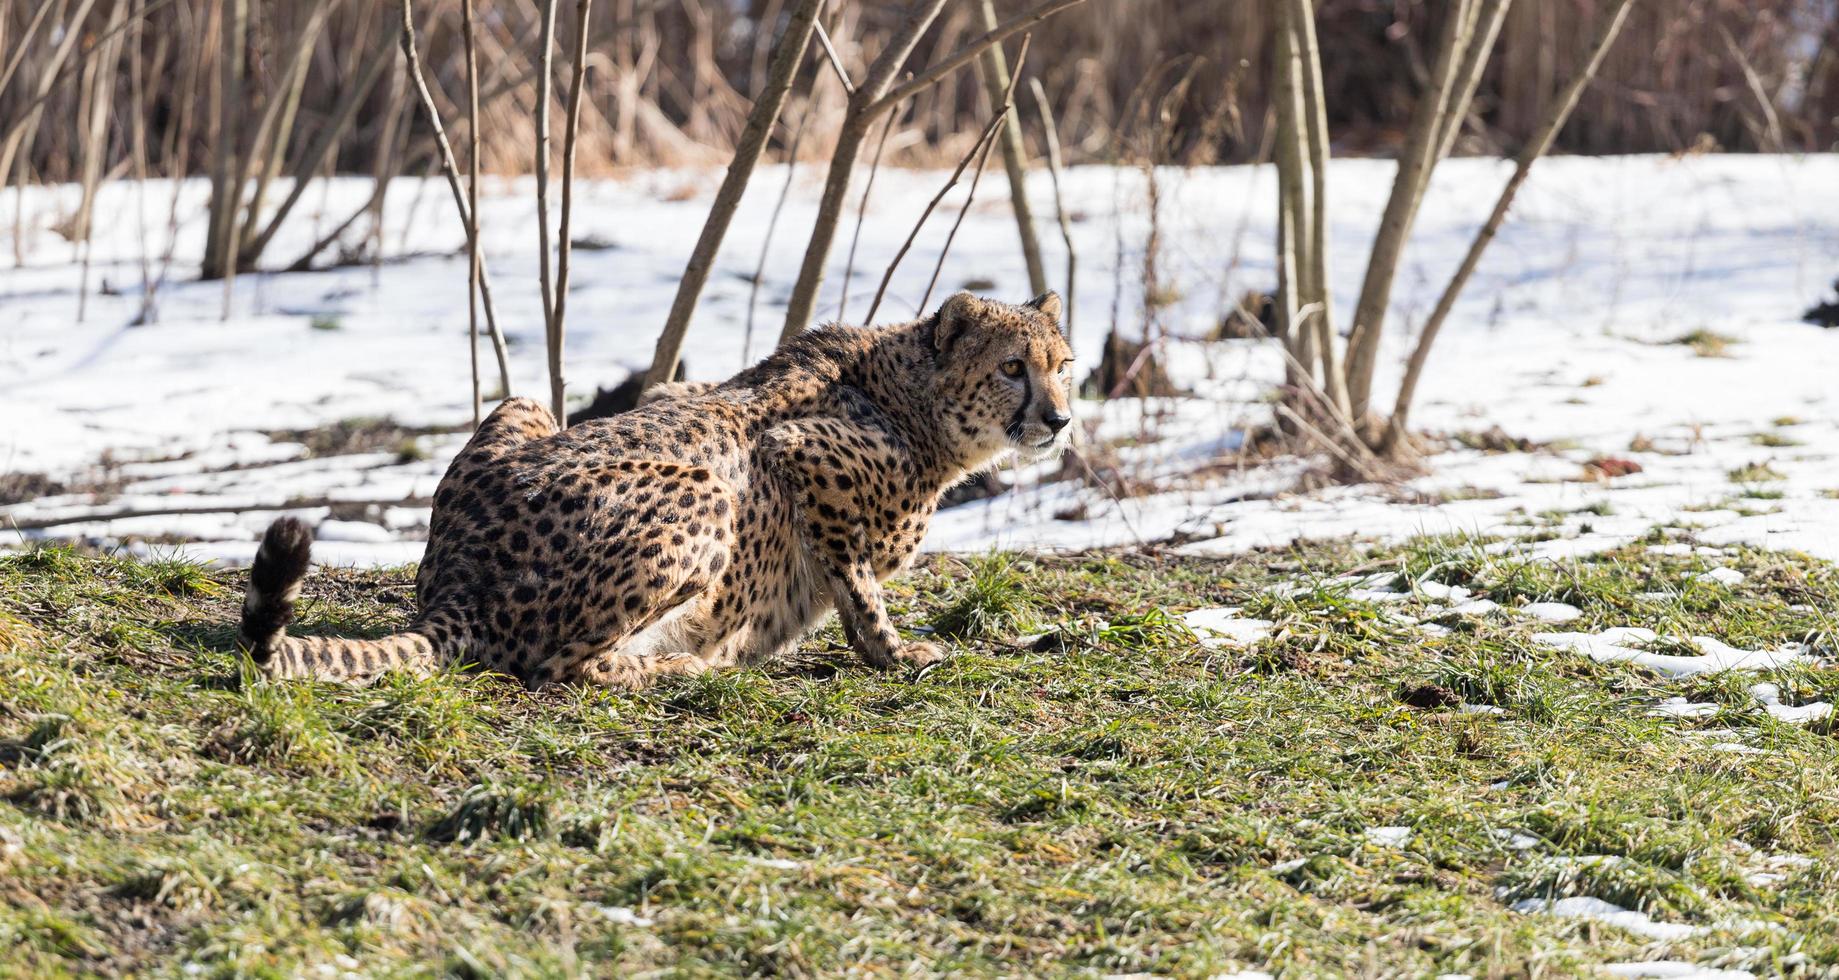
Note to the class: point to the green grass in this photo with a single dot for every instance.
(1083, 788)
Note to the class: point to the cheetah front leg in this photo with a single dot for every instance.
(828, 464)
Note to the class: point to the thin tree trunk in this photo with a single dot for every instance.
(274, 129)
(15, 134)
(468, 216)
(1556, 114)
(469, 31)
(226, 186)
(546, 282)
(331, 131)
(1293, 261)
(1414, 165)
(874, 167)
(100, 98)
(766, 242)
(864, 105)
(787, 55)
(1316, 295)
(996, 81)
(1051, 137)
(570, 136)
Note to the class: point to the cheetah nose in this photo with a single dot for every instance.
(1055, 419)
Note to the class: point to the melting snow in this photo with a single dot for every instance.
(1585, 907)
(1224, 627)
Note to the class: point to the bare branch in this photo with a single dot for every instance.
(842, 74)
(979, 150)
(1556, 115)
(469, 34)
(787, 55)
(570, 137)
(452, 171)
(1051, 137)
(931, 76)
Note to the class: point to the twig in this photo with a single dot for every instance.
(469, 36)
(874, 167)
(570, 136)
(971, 50)
(452, 172)
(842, 74)
(979, 150)
(766, 244)
(983, 139)
(1541, 141)
(1761, 95)
(1051, 137)
(787, 55)
(970, 194)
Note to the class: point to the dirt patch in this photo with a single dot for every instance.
(363, 435)
(17, 488)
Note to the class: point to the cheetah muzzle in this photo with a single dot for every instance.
(712, 525)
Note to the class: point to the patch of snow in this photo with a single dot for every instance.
(1674, 970)
(1515, 840)
(1622, 644)
(1720, 575)
(358, 532)
(1551, 612)
(1608, 913)
(1753, 241)
(1394, 837)
(1224, 627)
(622, 916)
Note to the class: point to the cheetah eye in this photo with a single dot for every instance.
(1065, 366)
(1014, 368)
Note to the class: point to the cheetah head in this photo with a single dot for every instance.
(1004, 382)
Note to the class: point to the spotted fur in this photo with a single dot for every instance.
(713, 526)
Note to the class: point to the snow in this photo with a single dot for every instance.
(1224, 627)
(1609, 913)
(1623, 644)
(1393, 837)
(1674, 970)
(1560, 338)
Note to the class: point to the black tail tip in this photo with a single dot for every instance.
(282, 560)
(274, 578)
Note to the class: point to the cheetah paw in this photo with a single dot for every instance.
(919, 654)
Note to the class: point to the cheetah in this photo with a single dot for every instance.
(714, 524)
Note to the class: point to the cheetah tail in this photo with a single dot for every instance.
(274, 585)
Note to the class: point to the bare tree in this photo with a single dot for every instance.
(1340, 416)
(468, 214)
(1556, 115)
(1051, 137)
(545, 85)
(996, 82)
(876, 94)
(787, 55)
(570, 137)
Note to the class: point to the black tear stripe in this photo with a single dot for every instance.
(1019, 419)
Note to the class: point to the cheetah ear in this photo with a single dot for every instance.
(954, 317)
(1048, 303)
